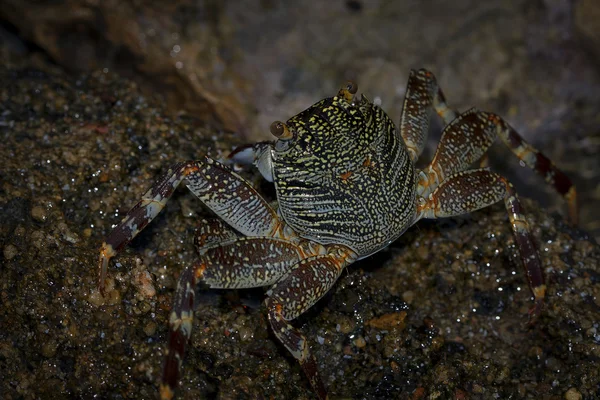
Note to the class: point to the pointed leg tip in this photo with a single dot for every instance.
(166, 393)
(103, 266)
(535, 312)
(574, 218)
(571, 197)
(573, 215)
(106, 253)
(309, 366)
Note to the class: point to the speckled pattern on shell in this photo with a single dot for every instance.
(346, 177)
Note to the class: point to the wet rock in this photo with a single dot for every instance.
(38, 214)
(10, 251)
(573, 394)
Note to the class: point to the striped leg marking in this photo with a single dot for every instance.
(527, 251)
(223, 191)
(243, 263)
(466, 139)
(249, 262)
(471, 190)
(303, 287)
(539, 163)
(152, 202)
(422, 93)
(180, 328)
(212, 232)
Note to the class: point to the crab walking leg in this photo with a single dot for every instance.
(539, 163)
(465, 141)
(304, 286)
(234, 200)
(151, 203)
(180, 329)
(244, 263)
(212, 232)
(422, 93)
(471, 190)
(227, 194)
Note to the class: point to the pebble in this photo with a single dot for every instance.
(10, 251)
(573, 394)
(389, 321)
(150, 328)
(37, 239)
(345, 325)
(66, 233)
(360, 342)
(143, 281)
(112, 297)
(39, 214)
(144, 307)
(49, 348)
(535, 352)
(245, 333)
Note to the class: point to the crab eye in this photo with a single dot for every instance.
(280, 130)
(348, 91)
(352, 87)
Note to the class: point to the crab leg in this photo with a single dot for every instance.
(212, 232)
(227, 194)
(465, 141)
(471, 190)
(244, 262)
(539, 163)
(310, 279)
(422, 93)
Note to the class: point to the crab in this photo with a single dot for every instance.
(346, 187)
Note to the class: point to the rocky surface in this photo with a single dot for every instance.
(439, 314)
